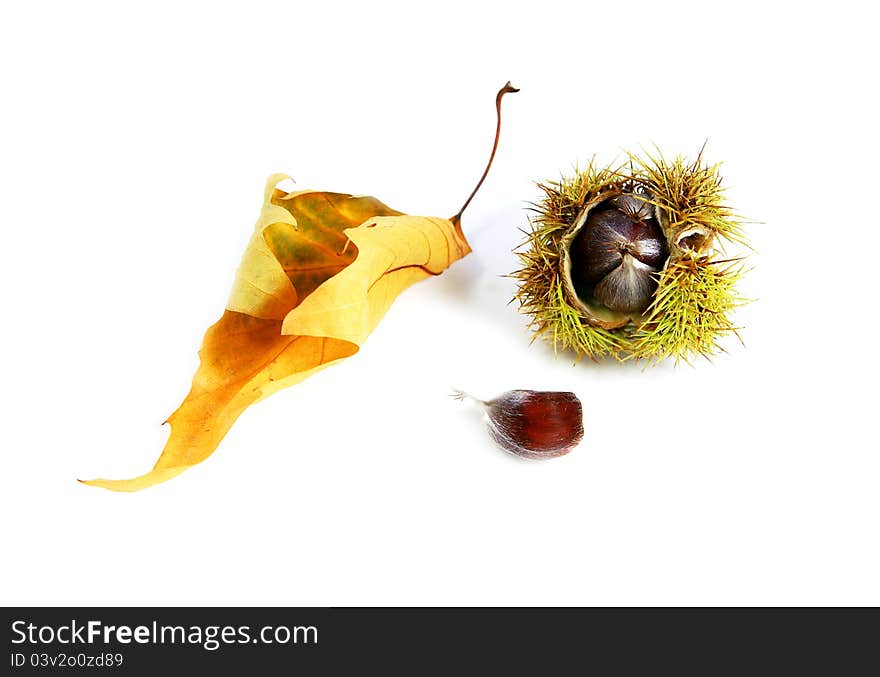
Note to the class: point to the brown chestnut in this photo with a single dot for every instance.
(616, 255)
(534, 424)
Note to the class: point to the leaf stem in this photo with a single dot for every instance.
(508, 88)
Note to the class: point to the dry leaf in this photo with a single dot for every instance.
(304, 297)
(316, 278)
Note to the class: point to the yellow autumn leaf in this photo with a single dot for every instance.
(317, 276)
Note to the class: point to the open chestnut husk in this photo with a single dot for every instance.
(624, 261)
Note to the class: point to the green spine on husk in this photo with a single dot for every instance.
(696, 288)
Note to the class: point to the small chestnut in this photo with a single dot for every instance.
(534, 424)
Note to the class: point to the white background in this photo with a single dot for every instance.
(134, 146)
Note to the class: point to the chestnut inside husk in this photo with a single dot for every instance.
(612, 256)
(616, 252)
(621, 260)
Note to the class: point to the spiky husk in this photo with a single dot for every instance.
(696, 289)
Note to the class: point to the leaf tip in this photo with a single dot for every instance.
(155, 476)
